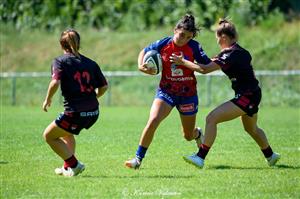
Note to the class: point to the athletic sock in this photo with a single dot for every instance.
(140, 153)
(70, 162)
(203, 150)
(268, 152)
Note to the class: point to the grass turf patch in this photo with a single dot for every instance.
(235, 167)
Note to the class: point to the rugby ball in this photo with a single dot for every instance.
(153, 60)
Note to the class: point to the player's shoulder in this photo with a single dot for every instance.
(232, 50)
(85, 58)
(193, 42)
(238, 48)
(158, 44)
(195, 45)
(59, 60)
(239, 51)
(235, 52)
(88, 61)
(64, 58)
(166, 39)
(163, 41)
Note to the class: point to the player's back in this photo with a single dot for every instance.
(78, 80)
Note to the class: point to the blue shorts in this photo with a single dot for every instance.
(74, 122)
(185, 105)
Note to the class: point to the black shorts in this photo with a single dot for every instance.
(248, 101)
(74, 122)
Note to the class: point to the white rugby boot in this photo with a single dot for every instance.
(194, 160)
(59, 171)
(70, 172)
(134, 163)
(273, 159)
(199, 140)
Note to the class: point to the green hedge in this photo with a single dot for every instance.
(133, 14)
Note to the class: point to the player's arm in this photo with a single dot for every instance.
(143, 66)
(101, 90)
(201, 68)
(101, 83)
(52, 88)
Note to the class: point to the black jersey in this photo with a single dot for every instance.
(235, 62)
(79, 78)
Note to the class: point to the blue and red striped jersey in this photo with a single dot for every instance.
(176, 79)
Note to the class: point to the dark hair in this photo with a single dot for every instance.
(187, 22)
(226, 27)
(70, 41)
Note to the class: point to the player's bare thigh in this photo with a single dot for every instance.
(224, 112)
(159, 110)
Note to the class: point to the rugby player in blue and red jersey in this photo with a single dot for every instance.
(235, 62)
(177, 87)
(81, 82)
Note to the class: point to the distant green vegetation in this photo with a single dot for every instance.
(274, 45)
(135, 14)
(113, 32)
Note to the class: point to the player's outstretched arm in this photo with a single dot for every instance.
(201, 68)
(52, 88)
(212, 66)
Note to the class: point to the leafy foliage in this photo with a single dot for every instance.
(130, 14)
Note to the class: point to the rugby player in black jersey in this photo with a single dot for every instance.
(81, 82)
(235, 62)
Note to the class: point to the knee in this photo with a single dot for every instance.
(188, 135)
(46, 136)
(154, 121)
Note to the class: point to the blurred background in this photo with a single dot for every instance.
(114, 31)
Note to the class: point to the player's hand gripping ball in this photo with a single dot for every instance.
(153, 60)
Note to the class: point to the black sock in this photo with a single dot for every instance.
(203, 150)
(268, 152)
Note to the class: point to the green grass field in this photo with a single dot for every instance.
(235, 167)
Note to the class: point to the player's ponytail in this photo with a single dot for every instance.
(187, 22)
(70, 41)
(227, 27)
